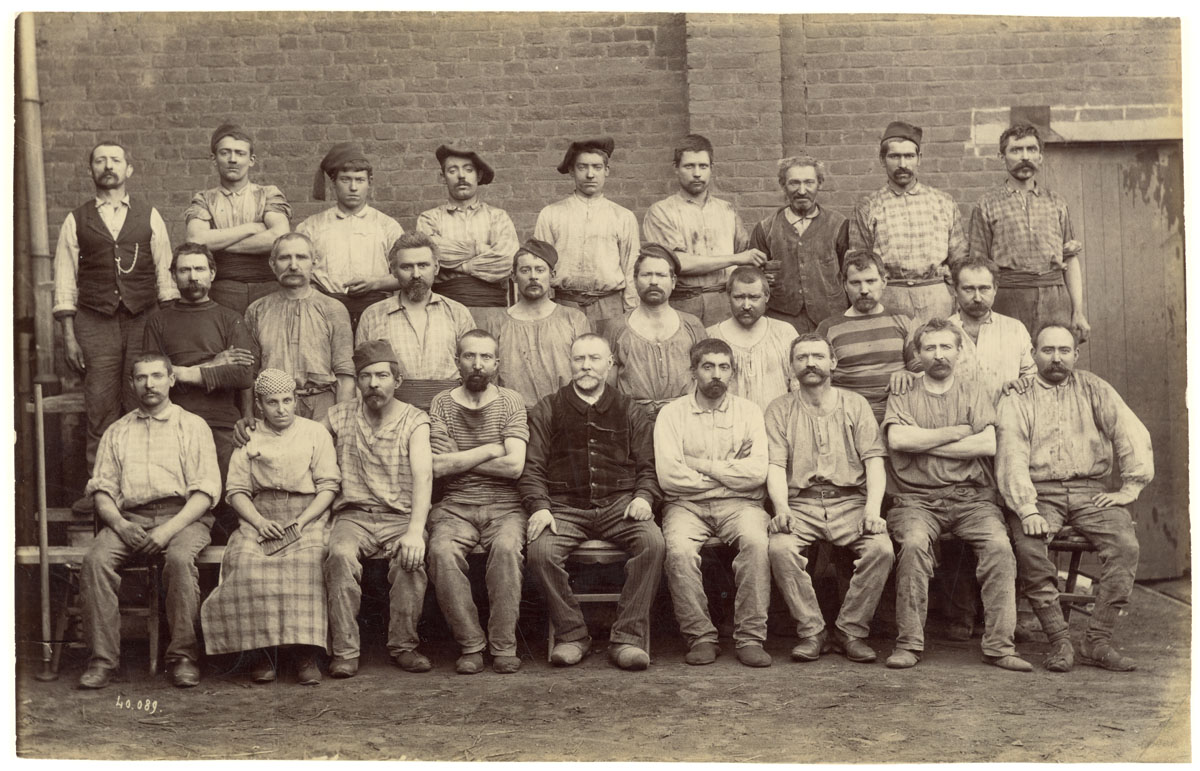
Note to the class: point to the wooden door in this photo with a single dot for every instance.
(1126, 202)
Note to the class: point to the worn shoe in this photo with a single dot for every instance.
(753, 656)
(570, 653)
(853, 648)
(1061, 657)
(340, 669)
(185, 674)
(960, 631)
(629, 657)
(1106, 657)
(468, 664)
(307, 671)
(95, 677)
(1011, 663)
(506, 665)
(902, 658)
(702, 653)
(411, 661)
(264, 670)
(809, 648)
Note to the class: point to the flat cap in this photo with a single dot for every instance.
(228, 130)
(598, 145)
(486, 175)
(540, 249)
(898, 129)
(371, 352)
(652, 249)
(337, 157)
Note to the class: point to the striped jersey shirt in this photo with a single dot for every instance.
(868, 350)
(455, 428)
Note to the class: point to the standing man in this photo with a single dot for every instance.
(475, 242)
(1024, 227)
(711, 459)
(154, 483)
(387, 479)
(651, 343)
(535, 337)
(596, 239)
(762, 368)
(421, 326)
(916, 230)
(868, 340)
(479, 434)
(705, 233)
(826, 481)
(352, 239)
(1057, 442)
(238, 221)
(212, 355)
(303, 332)
(940, 433)
(589, 473)
(111, 264)
(807, 242)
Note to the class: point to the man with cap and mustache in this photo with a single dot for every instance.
(387, 478)
(940, 435)
(597, 240)
(475, 241)
(915, 229)
(304, 332)
(112, 265)
(238, 221)
(1024, 227)
(1057, 442)
(710, 454)
(535, 337)
(479, 434)
(807, 242)
(352, 239)
(650, 343)
(589, 473)
(704, 232)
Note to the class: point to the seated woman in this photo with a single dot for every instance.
(285, 476)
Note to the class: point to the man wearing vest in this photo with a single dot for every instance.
(111, 265)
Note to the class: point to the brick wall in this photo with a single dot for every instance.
(519, 85)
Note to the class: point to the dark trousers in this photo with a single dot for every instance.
(109, 344)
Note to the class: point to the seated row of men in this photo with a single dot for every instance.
(113, 259)
(591, 463)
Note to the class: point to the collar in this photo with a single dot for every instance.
(161, 417)
(230, 194)
(601, 405)
(1051, 386)
(434, 299)
(957, 318)
(1012, 189)
(696, 409)
(453, 207)
(362, 213)
(688, 200)
(792, 217)
(916, 189)
(586, 201)
(101, 203)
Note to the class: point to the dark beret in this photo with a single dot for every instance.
(372, 352)
(599, 145)
(228, 130)
(541, 250)
(337, 157)
(486, 175)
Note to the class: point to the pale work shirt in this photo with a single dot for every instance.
(426, 356)
(350, 245)
(703, 228)
(1004, 352)
(478, 240)
(299, 459)
(822, 447)
(732, 436)
(597, 242)
(762, 372)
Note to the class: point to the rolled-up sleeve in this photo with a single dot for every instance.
(106, 474)
(200, 471)
(66, 269)
(160, 250)
(327, 477)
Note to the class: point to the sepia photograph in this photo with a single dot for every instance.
(619, 384)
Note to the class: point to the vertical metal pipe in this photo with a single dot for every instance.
(47, 672)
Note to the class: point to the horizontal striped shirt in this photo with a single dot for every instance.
(374, 462)
(1022, 230)
(456, 427)
(868, 350)
(917, 232)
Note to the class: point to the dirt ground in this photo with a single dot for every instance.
(950, 708)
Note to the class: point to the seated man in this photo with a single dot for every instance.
(479, 433)
(711, 458)
(940, 433)
(1056, 446)
(387, 479)
(825, 453)
(154, 482)
(589, 473)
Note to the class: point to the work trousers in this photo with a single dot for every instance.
(916, 521)
(547, 555)
(740, 523)
(359, 535)
(454, 530)
(1110, 530)
(109, 345)
(920, 303)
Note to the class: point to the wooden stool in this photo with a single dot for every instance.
(1069, 540)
